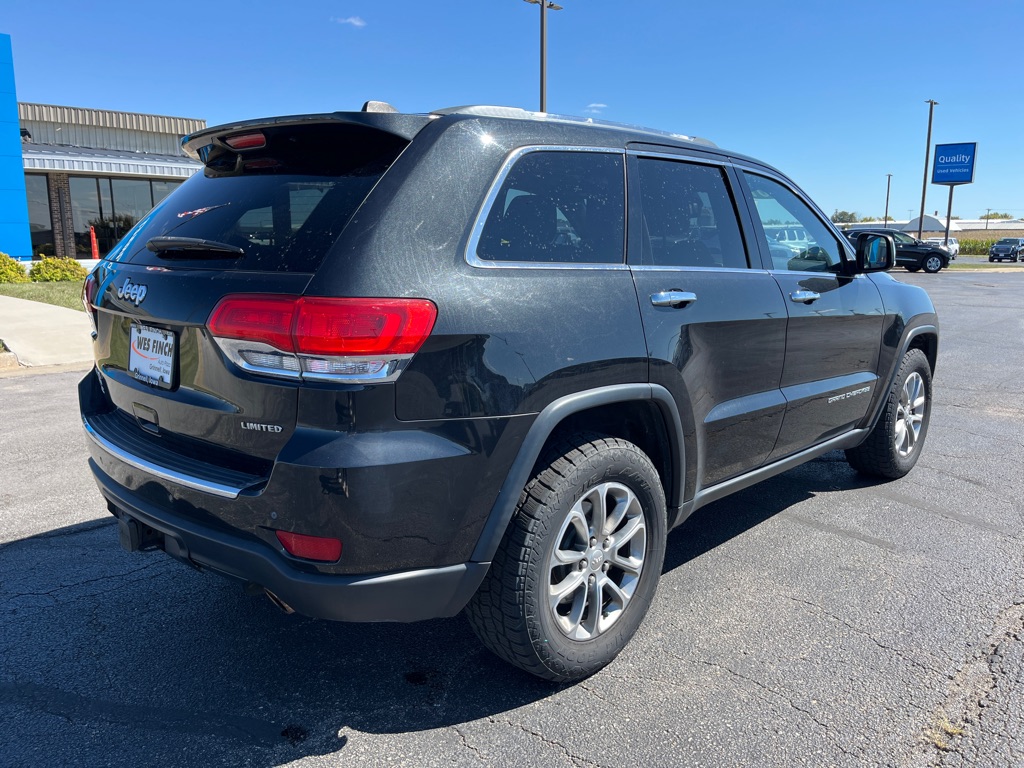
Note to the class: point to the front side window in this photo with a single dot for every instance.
(808, 245)
(558, 207)
(689, 219)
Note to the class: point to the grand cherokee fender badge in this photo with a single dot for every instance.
(133, 292)
(851, 393)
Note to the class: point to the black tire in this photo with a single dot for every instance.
(892, 448)
(512, 613)
(912, 269)
(932, 263)
(990, 259)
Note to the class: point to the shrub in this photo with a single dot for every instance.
(11, 270)
(975, 247)
(57, 271)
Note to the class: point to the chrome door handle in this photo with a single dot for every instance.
(675, 299)
(804, 297)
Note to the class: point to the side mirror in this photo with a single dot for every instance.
(875, 253)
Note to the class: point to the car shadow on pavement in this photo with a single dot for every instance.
(723, 520)
(116, 644)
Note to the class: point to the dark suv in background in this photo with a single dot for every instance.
(390, 367)
(911, 253)
(1008, 248)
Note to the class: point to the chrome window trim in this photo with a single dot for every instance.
(670, 268)
(696, 157)
(485, 209)
(189, 481)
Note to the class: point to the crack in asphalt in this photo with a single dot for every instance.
(465, 743)
(972, 699)
(573, 759)
(899, 652)
(52, 593)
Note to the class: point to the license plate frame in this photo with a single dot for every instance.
(153, 355)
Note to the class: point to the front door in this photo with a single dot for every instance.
(835, 321)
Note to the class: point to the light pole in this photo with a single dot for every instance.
(987, 212)
(888, 184)
(927, 152)
(544, 6)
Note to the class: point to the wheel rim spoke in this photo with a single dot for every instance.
(910, 413)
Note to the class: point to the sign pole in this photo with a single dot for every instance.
(949, 212)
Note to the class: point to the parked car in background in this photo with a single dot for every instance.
(1009, 249)
(952, 245)
(911, 254)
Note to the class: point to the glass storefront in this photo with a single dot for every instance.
(39, 221)
(111, 206)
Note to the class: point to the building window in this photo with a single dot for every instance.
(40, 223)
(111, 206)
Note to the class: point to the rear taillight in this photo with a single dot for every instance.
(246, 140)
(344, 340)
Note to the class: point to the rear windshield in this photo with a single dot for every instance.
(283, 205)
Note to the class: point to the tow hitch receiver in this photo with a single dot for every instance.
(136, 537)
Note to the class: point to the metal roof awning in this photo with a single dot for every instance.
(49, 157)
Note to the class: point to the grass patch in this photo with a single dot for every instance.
(67, 295)
(977, 265)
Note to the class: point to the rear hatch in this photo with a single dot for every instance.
(260, 218)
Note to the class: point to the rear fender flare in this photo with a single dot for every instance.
(543, 427)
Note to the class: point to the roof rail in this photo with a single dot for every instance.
(518, 113)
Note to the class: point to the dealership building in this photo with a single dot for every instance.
(74, 180)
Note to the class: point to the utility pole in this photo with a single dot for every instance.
(888, 184)
(545, 5)
(927, 152)
(987, 212)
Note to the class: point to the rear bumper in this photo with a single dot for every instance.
(411, 595)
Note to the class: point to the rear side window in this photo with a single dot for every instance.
(689, 219)
(284, 204)
(566, 207)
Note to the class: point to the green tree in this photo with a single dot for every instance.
(997, 215)
(844, 217)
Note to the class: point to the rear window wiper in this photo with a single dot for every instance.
(167, 245)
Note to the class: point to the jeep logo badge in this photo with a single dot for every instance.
(133, 292)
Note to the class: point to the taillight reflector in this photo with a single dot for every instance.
(319, 548)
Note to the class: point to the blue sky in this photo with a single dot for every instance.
(833, 94)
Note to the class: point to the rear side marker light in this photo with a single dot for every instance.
(246, 141)
(341, 340)
(318, 548)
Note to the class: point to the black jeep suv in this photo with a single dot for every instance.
(911, 254)
(390, 367)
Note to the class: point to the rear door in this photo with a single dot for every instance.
(259, 220)
(715, 326)
(835, 321)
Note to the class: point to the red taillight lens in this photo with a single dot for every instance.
(89, 291)
(246, 141)
(345, 340)
(310, 547)
(363, 327)
(256, 318)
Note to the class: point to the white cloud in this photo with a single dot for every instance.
(355, 21)
(595, 109)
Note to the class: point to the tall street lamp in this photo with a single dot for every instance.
(545, 5)
(927, 152)
(888, 184)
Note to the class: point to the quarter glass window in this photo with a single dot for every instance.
(689, 219)
(796, 238)
(558, 207)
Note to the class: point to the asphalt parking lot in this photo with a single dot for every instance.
(816, 619)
